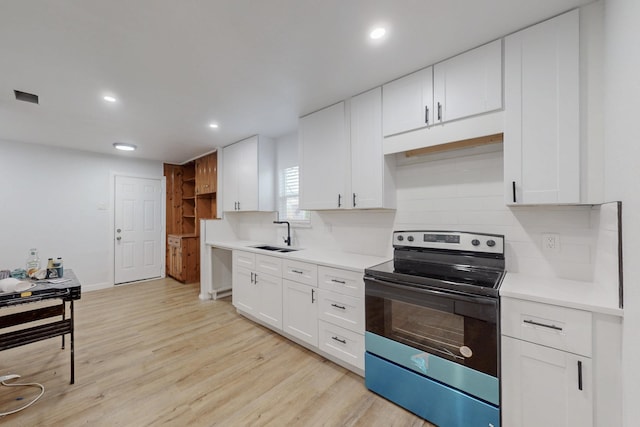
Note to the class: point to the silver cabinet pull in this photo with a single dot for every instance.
(439, 112)
(532, 322)
(426, 114)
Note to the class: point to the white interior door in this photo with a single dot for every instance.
(138, 229)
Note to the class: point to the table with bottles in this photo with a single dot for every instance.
(48, 321)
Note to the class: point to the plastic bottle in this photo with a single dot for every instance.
(33, 262)
(58, 264)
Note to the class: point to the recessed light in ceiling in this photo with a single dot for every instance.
(214, 125)
(377, 33)
(109, 98)
(124, 146)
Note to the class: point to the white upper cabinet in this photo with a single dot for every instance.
(468, 84)
(324, 159)
(465, 85)
(408, 102)
(249, 175)
(542, 108)
(341, 160)
(372, 173)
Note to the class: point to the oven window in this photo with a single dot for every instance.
(444, 332)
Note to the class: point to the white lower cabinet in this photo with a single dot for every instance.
(257, 286)
(543, 386)
(318, 306)
(300, 311)
(547, 373)
(342, 343)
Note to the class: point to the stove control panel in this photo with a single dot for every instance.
(453, 240)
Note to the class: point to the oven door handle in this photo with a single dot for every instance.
(410, 287)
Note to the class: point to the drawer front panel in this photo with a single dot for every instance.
(342, 310)
(553, 326)
(269, 264)
(244, 259)
(342, 343)
(173, 241)
(302, 272)
(342, 281)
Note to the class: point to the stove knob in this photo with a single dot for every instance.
(491, 243)
(410, 238)
(400, 238)
(475, 242)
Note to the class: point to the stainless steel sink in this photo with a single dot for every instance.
(274, 248)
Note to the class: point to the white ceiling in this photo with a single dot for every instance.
(253, 66)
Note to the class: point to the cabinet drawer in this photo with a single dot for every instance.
(173, 241)
(302, 272)
(549, 325)
(342, 343)
(342, 281)
(342, 310)
(244, 259)
(269, 264)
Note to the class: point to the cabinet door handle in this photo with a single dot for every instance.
(339, 340)
(238, 205)
(297, 271)
(513, 188)
(339, 200)
(342, 282)
(255, 278)
(439, 112)
(579, 375)
(341, 307)
(252, 277)
(426, 114)
(533, 322)
(354, 200)
(313, 296)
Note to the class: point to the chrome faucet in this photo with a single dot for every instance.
(288, 239)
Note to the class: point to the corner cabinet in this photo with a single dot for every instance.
(542, 111)
(249, 175)
(547, 375)
(342, 165)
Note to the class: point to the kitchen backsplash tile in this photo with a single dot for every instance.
(462, 191)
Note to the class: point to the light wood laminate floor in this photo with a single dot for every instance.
(152, 354)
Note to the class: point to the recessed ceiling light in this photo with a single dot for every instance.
(377, 33)
(213, 125)
(109, 98)
(124, 146)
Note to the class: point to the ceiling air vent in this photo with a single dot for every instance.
(26, 97)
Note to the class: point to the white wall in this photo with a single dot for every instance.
(60, 202)
(622, 173)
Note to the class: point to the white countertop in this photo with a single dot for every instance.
(589, 296)
(336, 259)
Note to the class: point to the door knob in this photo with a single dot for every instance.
(118, 238)
(118, 230)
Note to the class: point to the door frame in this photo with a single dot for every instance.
(112, 223)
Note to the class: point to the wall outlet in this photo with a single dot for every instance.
(551, 242)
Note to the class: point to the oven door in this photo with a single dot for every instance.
(449, 337)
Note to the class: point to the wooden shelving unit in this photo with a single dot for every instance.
(191, 196)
